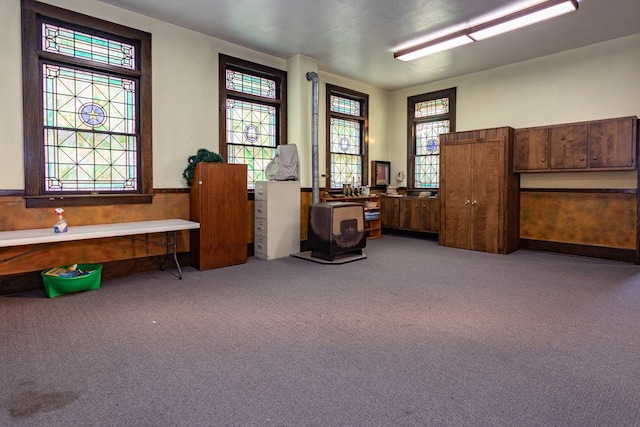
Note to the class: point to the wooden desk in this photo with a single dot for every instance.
(39, 236)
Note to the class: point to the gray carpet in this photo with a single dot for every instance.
(413, 335)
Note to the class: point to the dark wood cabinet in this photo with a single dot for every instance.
(613, 143)
(532, 149)
(609, 144)
(411, 213)
(568, 146)
(420, 214)
(218, 201)
(390, 211)
(479, 193)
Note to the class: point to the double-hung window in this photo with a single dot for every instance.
(87, 109)
(430, 115)
(253, 99)
(347, 137)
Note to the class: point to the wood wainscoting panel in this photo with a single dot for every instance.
(585, 218)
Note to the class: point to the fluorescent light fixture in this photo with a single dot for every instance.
(433, 46)
(529, 16)
(542, 11)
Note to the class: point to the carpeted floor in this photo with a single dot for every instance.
(413, 335)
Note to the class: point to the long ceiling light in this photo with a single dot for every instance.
(433, 46)
(531, 15)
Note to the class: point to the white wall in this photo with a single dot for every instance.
(590, 83)
(185, 93)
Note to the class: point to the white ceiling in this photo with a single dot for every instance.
(356, 38)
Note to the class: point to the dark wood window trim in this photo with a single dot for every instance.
(363, 98)
(280, 101)
(35, 195)
(412, 121)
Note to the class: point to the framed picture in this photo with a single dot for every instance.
(380, 173)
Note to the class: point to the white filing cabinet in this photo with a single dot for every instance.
(277, 219)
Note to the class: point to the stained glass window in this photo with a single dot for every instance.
(251, 130)
(431, 115)
(433, 107)
(345, 106)
(346, 137)
(427, 159)
(64, 41)
(250, 84)
(252, 126)
(89, 131)
(346, 162)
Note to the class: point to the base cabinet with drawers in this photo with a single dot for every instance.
(411, 213)
(276, 219)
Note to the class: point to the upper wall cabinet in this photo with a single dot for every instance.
(597, 145)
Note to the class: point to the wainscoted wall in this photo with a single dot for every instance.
(603, 219)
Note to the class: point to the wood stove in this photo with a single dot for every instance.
(336, 228)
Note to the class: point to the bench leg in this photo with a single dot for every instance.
(172, 252)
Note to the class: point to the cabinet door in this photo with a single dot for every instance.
(612, 143)
(390, 211)
(410, 214)
(487, 188)
(430, 215)
(455, 193)
(569, 146)
(532, 149)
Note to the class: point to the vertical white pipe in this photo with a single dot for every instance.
(315, 189)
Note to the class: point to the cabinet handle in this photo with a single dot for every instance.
(595, 157)
(475, 202)
(542, 161)
(466, 202)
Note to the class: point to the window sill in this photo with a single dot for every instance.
(86, 200)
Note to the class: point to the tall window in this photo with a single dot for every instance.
(347, 137)
(87, 109)
(253, 98)
(430, 115)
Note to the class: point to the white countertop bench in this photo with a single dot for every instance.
(97, 231)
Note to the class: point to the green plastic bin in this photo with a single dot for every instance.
(54, 286)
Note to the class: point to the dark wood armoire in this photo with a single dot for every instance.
(479, 191)
(219, 203)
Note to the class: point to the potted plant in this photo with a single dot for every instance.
(202, 155)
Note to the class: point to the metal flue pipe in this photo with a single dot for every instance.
(315, 189)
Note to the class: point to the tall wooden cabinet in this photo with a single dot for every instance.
(219, 203)
(479, 192)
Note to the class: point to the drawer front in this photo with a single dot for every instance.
(260, 246)
(260, 228)
(260, 208)
(260, 191)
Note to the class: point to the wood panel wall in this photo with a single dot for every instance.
(605, 219)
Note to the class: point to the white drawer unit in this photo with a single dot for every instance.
(277, 219)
